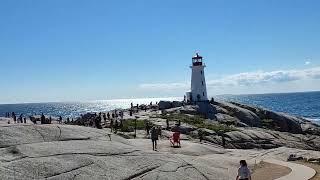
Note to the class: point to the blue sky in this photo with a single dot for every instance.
(69, 50)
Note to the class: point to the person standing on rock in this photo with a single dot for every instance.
(20, 119)
(42, 119)
(108, 115)
(243, 171)
(104, 118)
(200, 133)
(147, 127)
(111, 124)
(14, 117)
(154, 137)
(115, 126)
(116, 113)
(121, 114)
(168, 126)
(60, 120)
(159, 131)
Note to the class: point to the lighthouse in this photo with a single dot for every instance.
(198, 91)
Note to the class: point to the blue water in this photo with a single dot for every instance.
(306, 104)
(74, 109)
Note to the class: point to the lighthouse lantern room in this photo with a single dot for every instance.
(198, 82)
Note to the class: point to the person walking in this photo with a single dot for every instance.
(154, 138)
(243, 171)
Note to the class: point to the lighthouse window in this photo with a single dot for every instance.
(201, 72)
(202, 83)
(203, 93)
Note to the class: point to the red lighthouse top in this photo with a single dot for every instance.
(197, 60)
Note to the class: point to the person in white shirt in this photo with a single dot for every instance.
(243, 171)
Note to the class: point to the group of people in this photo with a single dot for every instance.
(8, 115)
(23, 119)
(115, 125)
(20, 119)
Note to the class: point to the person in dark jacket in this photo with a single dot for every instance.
(42, 119)
(154, 137)
(116, 126)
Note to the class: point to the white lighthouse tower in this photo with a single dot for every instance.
(198, 82)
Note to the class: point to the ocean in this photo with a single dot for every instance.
(304, 104)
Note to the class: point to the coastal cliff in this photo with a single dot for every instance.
(252, 127)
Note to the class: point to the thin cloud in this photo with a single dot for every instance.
(245, 79)
(307, 63)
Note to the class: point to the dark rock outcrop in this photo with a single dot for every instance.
(246, 138)
(177, 104)
(189, 109)
(281, 122)
(165, 105)
(244, 115)
(285, 122)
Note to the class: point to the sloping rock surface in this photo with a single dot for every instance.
(250, 138)
(244, 115)
(73, 152)
(282, 121)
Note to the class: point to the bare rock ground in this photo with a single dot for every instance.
(75, 152)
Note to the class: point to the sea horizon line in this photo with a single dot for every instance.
(141, 98)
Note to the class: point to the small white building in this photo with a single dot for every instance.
(198, 81)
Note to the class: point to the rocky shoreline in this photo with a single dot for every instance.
(234, 125)
(72, 151)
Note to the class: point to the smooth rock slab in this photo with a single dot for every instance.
(73, 152)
